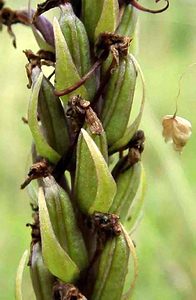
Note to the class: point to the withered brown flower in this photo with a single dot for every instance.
(176, 130)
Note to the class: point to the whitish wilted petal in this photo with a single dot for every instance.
(176, 130)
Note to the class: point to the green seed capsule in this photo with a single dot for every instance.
(131, 129)
(66, 73)
(77, 41)
(42, 279)
(52, 117)
(127, 185)
(94, 185)
(128, 26)
(42, 146)
(108, 18)
(90, 15)
(118, 99)
(128, 21)
(113, 268)
(64, 222)
(135, 209)
(55, 257)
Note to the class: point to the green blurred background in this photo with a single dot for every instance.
(165, 238)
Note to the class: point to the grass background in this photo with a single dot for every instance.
(165, 238)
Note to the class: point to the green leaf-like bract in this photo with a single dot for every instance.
(66, 73)
(19, 276)
(56, 259)
(64, 222)
(95, 187)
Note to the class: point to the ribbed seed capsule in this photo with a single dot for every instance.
(55, 257)
(112, 269)
(42, 279)
(108, 18)
(52, 117)
(118, 99)
(127, 185)
(128, 21)
(94, 187)
(42, 146)
(66, 72)
(128, 26)
(64, 222)
(77, 41)
(133, 127)
(135, 209)
(90, 15)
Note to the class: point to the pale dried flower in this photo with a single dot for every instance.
(176, 130)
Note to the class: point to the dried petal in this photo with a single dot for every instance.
(176, 130)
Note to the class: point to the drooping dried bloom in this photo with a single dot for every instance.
(176, 130)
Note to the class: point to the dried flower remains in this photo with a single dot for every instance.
(176, 130)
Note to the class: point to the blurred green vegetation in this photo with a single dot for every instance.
(165, 238)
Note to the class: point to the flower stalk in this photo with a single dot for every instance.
(85, 206)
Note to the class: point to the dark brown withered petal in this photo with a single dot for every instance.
(137, 141)
(9, 17)
(42, 57)
(38, 170)
(136, 147)
(93, 121)
(79, 110)
(106, 223)
(112, 42)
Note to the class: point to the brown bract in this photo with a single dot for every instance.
(176, 130)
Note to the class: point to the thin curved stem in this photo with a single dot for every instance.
(142, 8)
(81, 81)
(179, 87)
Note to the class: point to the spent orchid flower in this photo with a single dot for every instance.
(176, 130)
